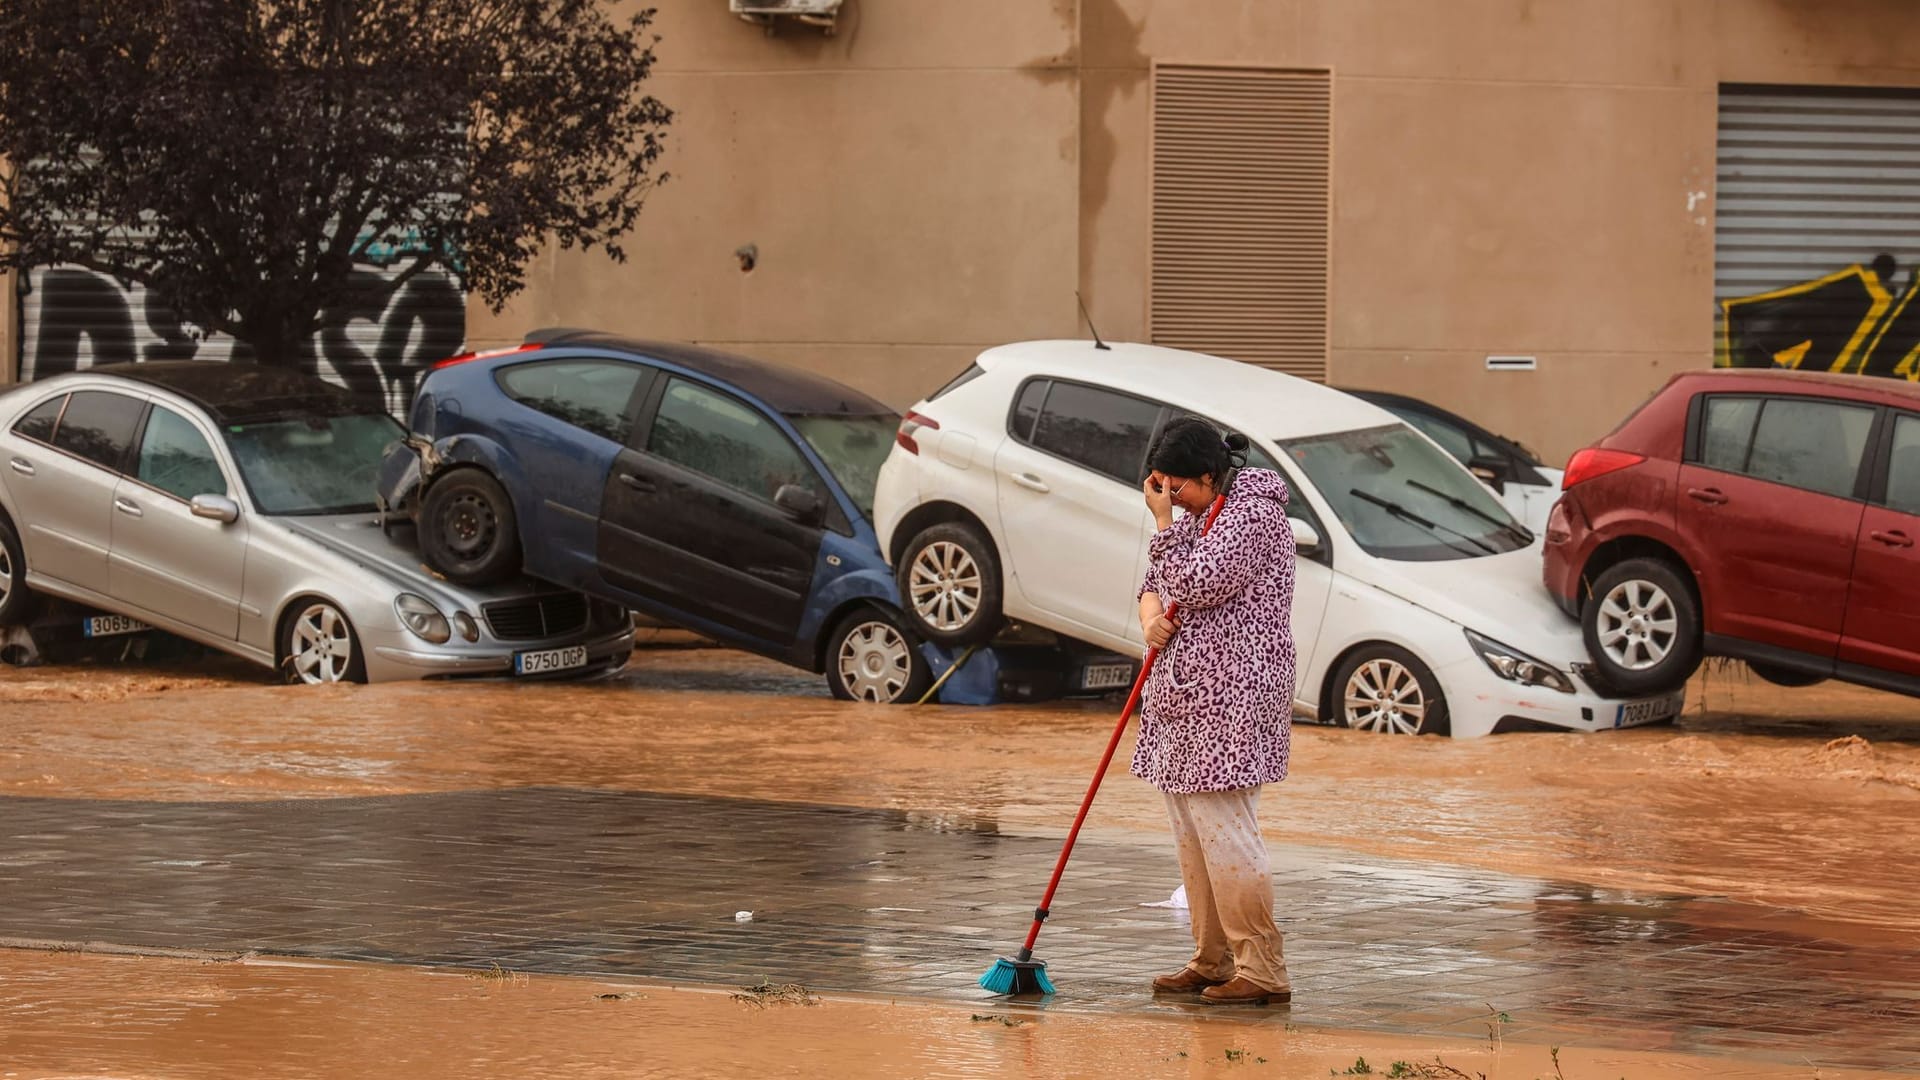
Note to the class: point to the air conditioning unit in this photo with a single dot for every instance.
(771, 13)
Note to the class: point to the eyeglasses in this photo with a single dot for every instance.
(1175, 490)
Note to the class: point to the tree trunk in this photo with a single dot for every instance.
(269, 338)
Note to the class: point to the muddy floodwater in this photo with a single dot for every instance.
(69, 1016)
(1800, 799)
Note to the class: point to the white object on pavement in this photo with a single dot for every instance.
(1178, 901)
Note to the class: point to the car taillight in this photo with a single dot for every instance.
(466, 356)
(912, 425)
(1593, 462)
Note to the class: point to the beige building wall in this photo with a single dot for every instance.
(1510, 177)
(910, 184)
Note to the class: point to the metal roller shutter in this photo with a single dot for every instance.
(72, 319)
(1817, 229)
(1240, 208)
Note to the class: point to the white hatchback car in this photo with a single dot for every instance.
(1014, 493)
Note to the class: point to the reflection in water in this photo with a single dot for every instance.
(1820, 823)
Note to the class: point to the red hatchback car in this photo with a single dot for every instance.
(1768, 516)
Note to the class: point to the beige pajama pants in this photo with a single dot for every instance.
(1223, 862)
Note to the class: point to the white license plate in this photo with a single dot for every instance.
(540, 663)
(1107, 676)
(111, 626)
(1635, 713)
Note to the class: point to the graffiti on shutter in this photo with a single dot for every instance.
(73, 319)
(1857, 321)
(1816, 240)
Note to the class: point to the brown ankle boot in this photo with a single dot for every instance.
(1184, 981)
(1242, 991)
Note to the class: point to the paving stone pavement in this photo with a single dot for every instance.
(643, 884)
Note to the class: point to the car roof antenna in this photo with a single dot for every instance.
(1097, 343)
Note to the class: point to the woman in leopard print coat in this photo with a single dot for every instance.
(1217, 711)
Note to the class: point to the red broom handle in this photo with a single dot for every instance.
(1119, 729)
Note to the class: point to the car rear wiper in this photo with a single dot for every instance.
(1433, 527)
(1511, 528)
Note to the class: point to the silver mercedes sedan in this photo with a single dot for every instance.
(234, 505)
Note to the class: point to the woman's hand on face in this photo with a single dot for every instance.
(1159, 498)
(1160, 631)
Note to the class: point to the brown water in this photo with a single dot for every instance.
(1767, 796)
(71, 1015)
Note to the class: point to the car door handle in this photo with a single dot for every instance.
(645, 487)
(1031, 482)
(127, 506)
(1710, 496)
(1894, 538)
(22, 466)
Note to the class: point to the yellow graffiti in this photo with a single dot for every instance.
(1906, 367)
(1858, 318)
(1792, 355)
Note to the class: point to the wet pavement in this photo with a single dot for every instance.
(599, 882)
(1738, 884)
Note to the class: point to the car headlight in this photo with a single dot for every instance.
(422, 618)
(464, 623)
(1515, 666)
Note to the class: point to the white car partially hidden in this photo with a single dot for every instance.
(1014, 493)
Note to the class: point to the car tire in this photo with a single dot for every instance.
(949, 580)
(1386, 689)
(1784, 676)
(872, 657)
(468, 530)
(1642, 628)
(318, 645)
(17, 602)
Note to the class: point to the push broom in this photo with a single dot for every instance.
(1021, 973)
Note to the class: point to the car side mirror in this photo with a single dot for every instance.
(216, 508)
(1306, 538)
(1491, 471)
(803, 504)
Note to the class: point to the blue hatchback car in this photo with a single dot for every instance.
(726, 495)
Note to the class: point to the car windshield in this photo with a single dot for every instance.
(854, 447)
(1403, 498)
(314, 465)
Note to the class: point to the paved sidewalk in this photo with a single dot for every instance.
(631, 883)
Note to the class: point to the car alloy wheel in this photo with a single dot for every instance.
(945, 584)
(322, 646)
(876, 662)
(6, 575)
(1383, 696)
(1637, 624)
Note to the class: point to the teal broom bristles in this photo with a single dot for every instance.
(1010, 976)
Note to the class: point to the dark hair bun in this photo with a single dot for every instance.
(1192, 447)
